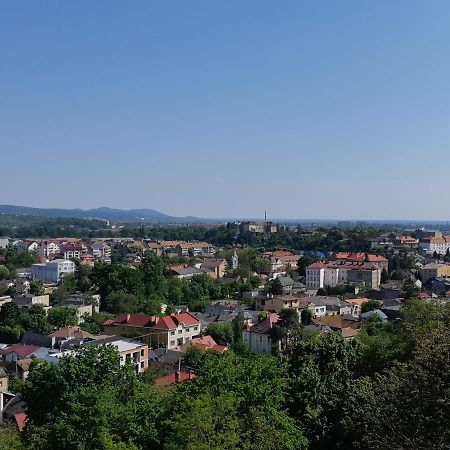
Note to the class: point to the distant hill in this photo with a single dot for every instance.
(115, 215)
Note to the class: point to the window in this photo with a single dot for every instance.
(172, 333)
(142, 364)
(142, 352)
(172, 342)
(195, 328)
(180, 331)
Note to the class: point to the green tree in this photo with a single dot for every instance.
(9, 313)
(370, 306)
(37, 287)
(222, 333)
(60, 316)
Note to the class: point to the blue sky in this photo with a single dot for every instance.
(319, 109)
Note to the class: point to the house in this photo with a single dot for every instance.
(28, 300)
(25, 246)
(356, 305)
(169, 360)
(276, 303)
(3, 380)
(259, 337)
(405, 241)
(207, 343)
(18, 351)
(348, 328)
(434, 270)
(217, 266)
(440, 285)
(375, 313)
(84, 306)
(321, 306)
(280, 260)
(69, 333)
(182, 271)
(168, 331)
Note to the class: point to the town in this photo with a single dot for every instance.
(177, 312)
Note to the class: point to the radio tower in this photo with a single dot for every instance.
(265, 215)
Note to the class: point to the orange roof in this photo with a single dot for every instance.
(357, 301)
(174, 378)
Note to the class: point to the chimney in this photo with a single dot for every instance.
(177, 377)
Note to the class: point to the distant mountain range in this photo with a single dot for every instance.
(114, 215)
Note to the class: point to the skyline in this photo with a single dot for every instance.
(225, 110)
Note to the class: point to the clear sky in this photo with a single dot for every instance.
(318, 109)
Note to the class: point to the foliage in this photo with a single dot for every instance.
(37, 287)
(370, 306)
(60, 316)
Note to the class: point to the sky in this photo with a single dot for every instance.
(306, 109)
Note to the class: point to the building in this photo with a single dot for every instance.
(405, 241)
(334, 273)
(279, 261)
(53, 270)
(84, 306)
(234, 260)
(377, 260)
(259, 337)
(169, 331)
(328, 306)
(434, 270)
(27, 301)
(18, 351)
(48, 248)
(25, 246)
(71, 250)
(276, 303)
(194, 249)
(438, 244)
(215, 265)
(100, 250)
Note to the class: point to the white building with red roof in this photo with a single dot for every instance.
(170, 331)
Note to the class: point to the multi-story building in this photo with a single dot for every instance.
(277, 303)
(25, 246)
(434, 270)
(331, 274)
(438, 244)
(53, 270)
(47, 248)
(376, 260)
(194, 249)
(169, 331)
(280, 260)
(259, 337)
(101, 250)
(71, 250)
(27, 301)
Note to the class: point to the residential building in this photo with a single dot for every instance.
(259, 337)
(28, 300)
(276, 303)
(48, 248)
(169, 331)
(25, 246)
(217, 266)
(434, 270)
(100, 250)
(53, 270)
(18, 351)
(194, 249)
(324, 306)
(405, 241)
(84, 306)
(71, 250)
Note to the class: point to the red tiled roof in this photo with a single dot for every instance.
(21, 420)
(165, 322)
(22, 350)
(172, 321)
(172, 378)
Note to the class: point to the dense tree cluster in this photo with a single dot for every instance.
(388, 389)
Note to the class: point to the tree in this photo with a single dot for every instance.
(9, 313)
(35, 320)
(275, 287)
(4, 272)
(370, 306)
(306, 316)
(37, 287)
(60, 316)
(287, 329)
(222, 333)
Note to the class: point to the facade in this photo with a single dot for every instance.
(217, 266)
(434, 270)
(259, 336)
(100, 250)
(27, 301)
(438, 244)
(377, 260)
(335, 273)
(47, 248)
(72, 250)
(169, 331)
(25, 246)
(53, 270)
(194, 249)
(276, 303)
(83, 306)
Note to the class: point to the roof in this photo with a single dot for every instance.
(165, 323)
(71, 331)
(265, 325)
(22, 350)
(172, 378)
(357, 301)
(21, 420)
(374, 312)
